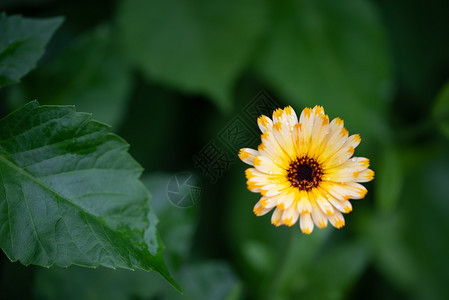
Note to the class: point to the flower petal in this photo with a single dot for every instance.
(335, 139)
(306, 223)
(276, 217)
(354, 190)
(365, 176)
(247, 155)
(323, 203)
(344, 153)
(304, 205)
(319, 132)
(284, 137)
(286, 199)
(343, 206)
(319, 218)
(267, 166)
(337, 220)
(264, 123)
(256, 179)
(271, 149)
(290, 216)
(259, 210)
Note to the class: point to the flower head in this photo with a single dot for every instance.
(304, 170)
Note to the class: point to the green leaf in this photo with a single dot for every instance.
(199, 47)
(178, 224)
(440, 110)
(384, 233)
(22, 43)
(389, 180)
(332, 54)
(90, 74)
(70, 194)
(335, 272)
(206, 280)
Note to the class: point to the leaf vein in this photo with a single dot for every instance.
(7, 208)
(32, 221)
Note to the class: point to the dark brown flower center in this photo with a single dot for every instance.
(304, 173)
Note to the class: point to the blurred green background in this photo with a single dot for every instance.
(173, 77)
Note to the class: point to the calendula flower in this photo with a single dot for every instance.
(304, 170)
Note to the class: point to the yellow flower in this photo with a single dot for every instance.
(304, 169)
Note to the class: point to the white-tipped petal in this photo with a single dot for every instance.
(304, 206)
(264, 123)
(319, 218)
(365, 176)
(284, 137)
(267, 166)
(323, 203)
(306, 223)
(259, 210)
(276, 217)
(290, 216)
(247, 155)
(337, 220)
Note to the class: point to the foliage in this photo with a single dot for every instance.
(71, 194)
(22, 43)
(171, 77)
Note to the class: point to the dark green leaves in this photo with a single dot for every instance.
(323, 52)
(70, 194)
(96, 78)
(197, 46)
(22, 43)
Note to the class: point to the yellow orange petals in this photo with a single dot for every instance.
(247, 155)
(264, 123)
(306, 223)
(271, 149)
(304, 170)
(323, 203)
(291, 117)
(284, 137)
(290, 216)
(354, 190)
(276, 217)
(343, 206)
(344, 153)
(267, 166)
(365, 175)
(337, 220)
(259, 210)
(304, 206)
(257, 180)
(334, 140)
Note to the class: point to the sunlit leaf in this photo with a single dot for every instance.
(22, 43)
(70, 194)
(198, 47)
